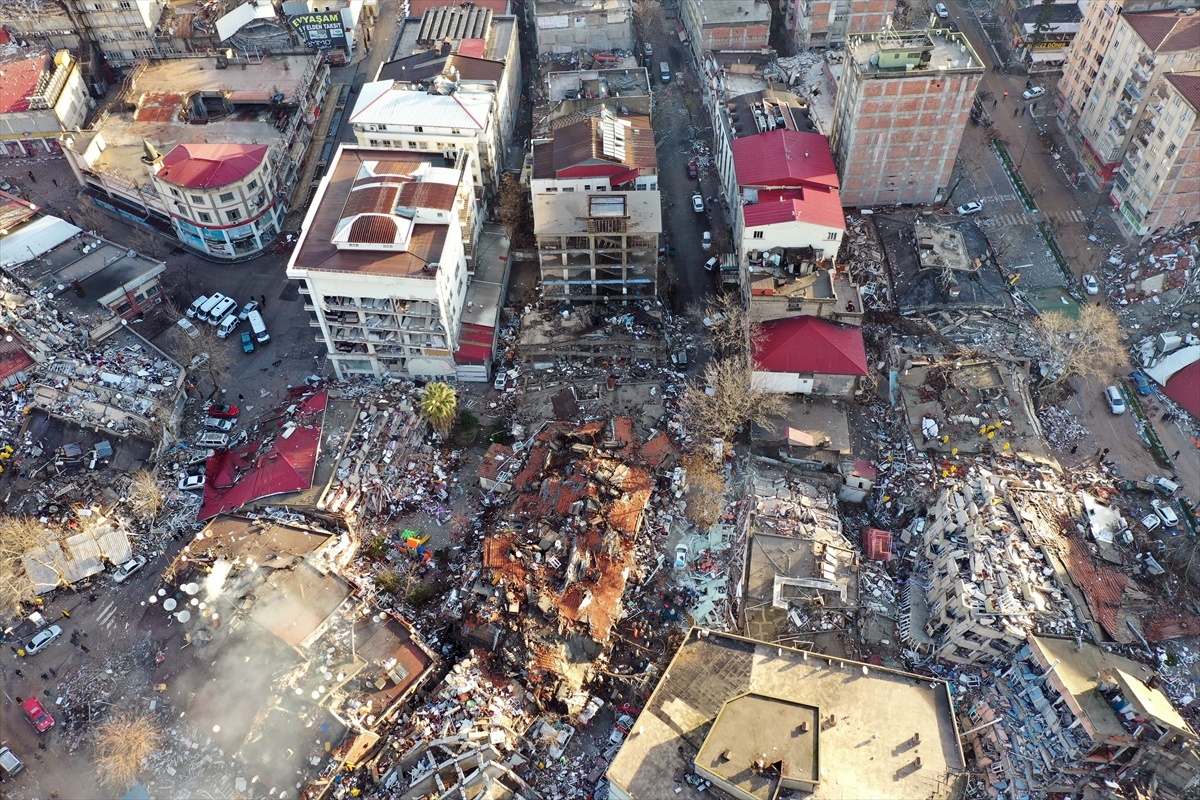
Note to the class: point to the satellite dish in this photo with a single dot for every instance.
(183, 616)
(169, 604)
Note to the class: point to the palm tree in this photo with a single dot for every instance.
(439, 402)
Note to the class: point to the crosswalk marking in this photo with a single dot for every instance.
(1075, 215)
(106, 617)
(1006, 221)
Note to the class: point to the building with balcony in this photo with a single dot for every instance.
(567, 27)
(1157, 189)
(41, 96)
(381, 261)
(1124, 110)
(1086, 51)
(903, 101)
(206, 148)
(1041, 34)
(123, 31)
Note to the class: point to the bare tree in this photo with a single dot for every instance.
(1087, 346)
(728, 328)
(18, 537)
(123, 744)
(146, 243)
(203, 353)
(724, 399)
(515, 209)
(88, 215)
(706, 488)
(146, 496)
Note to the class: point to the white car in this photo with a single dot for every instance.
(122, 573)
(622, 727)
(681, 554)
(1165, 513)
(941, 11)
(40, 642)
(594, 704)
(253, 305)
(190, 482)
(1151, 522)
(191, 330)
(1036, 91)
(967, 209)
(1116, 402)
(698, 203)
(1090, 284)
(712, 263)
(501, 381)
(223, 425)
(706, 240)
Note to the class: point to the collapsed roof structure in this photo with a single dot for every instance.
(555, 572)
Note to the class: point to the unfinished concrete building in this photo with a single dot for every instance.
(598, 247)
(902, 104)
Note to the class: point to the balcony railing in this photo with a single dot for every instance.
(1133, 91)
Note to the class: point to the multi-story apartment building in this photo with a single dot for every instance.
(42, 97)
(123, 30)
(902, 104)
(1122, 96)
(1087, 48)
(823, 23)
(727, 25)
(1039, 34)
(381, 264)
(1158, 186)
(205, 151)
(597, 26)
(596, 207)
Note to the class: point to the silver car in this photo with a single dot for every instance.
(40, 642)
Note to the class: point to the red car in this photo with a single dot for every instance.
(37, 715)
(692, 171)
(223, 412)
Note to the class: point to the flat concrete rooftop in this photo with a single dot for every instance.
(949, 51)
(757, 740)
(883, 720)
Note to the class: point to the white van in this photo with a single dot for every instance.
(196, 305)
(227, 325)
(213, 440)
(259, 327)
(209, 305)
(221, 310)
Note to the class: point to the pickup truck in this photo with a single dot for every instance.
(1136, 486)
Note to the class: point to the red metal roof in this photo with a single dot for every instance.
(474, 344)
(288, 465)
(472, 47)
(816, 206)
(1184, 388)
(21, 76)
(13, 358)
(877, 544)
(784, 158)
(810, 345)
(206, 166)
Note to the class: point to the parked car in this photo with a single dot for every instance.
(621, 728)
(1116, 403)
(712, 263)
(222, 411)
(698, 203)
(253, 305)
(247, 342)
(940, 8)
(38, 715)
(10, 765)
(648, 49)
(122, 573)
(681, 554)
(1164, 485)
(1151, 522)
(1090, 284)
(190, 482)
(693, 170)
(40, 642)
(1140, 383)
(973, 207)
(706, 240)
(1165, 513)
(223, 425)
(501, 382)
(200, 302)
(1036, 91)
(188, 328)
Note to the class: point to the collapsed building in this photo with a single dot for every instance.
(554, 573)
(1066, 713)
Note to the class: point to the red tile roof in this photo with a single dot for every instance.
(493, 460)
(816, 206)
(1188, 85)
(1165, 31)
(810, 345)
(1101, 586)
(13, 358)
(658, 451)
(207, 166)
(784, 158)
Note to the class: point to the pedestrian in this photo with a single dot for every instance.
(1005, 95)
(52, 672)
(1104, 453)
(54, 181)
(45, 677)
(19, 673)
(1074, 447)
(995, 102)
(32, 177)
(83, 647)
(263, 298)
(1016, 111)
(1176, 456)
(240, 397)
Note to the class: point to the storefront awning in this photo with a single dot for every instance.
(1058, 54)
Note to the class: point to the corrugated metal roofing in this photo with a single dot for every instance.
(784, 158)
(453, 23)
(207, 166)
(810, 346)
(373, 229)
(380, 103)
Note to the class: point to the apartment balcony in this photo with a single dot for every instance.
(334, 301)
(1139, 76)
(1134, 91)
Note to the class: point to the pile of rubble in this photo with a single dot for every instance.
(864, 258)
(1062, 430)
